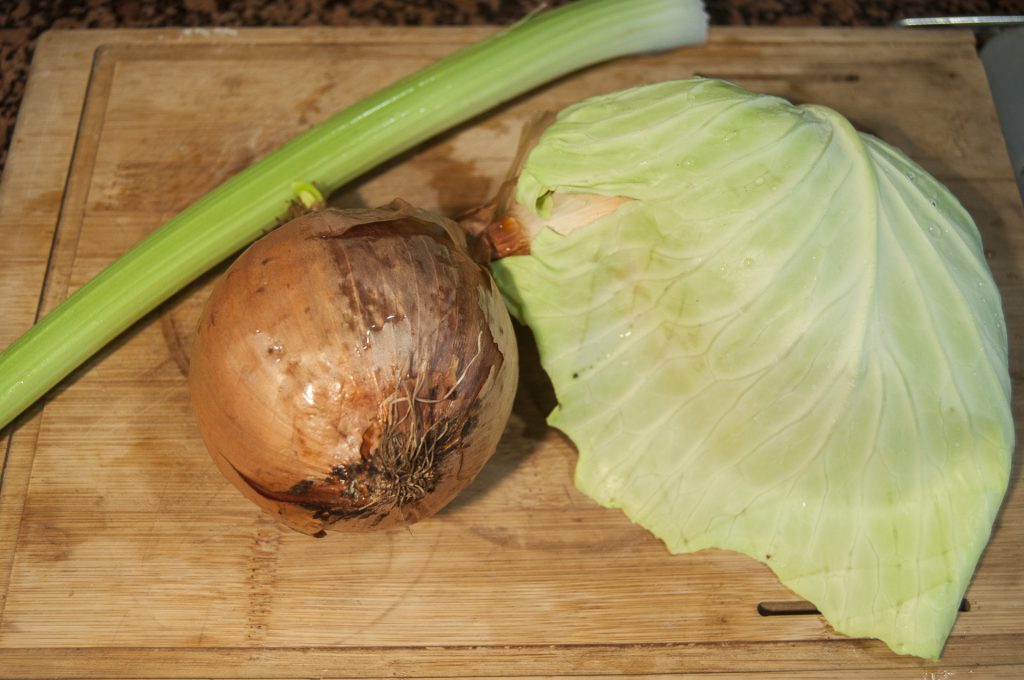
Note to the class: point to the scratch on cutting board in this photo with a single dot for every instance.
(120, 624)
(116, 426)
(199, 32)
(261, 577)
(403, 591)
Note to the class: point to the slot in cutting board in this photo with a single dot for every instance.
(124, 554)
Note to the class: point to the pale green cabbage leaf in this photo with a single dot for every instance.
(788, 345)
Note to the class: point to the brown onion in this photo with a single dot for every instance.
(354, 368)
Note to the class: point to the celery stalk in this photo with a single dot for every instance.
(534, 51)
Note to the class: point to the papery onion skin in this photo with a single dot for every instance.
(354, 369)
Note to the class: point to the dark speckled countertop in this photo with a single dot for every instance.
(22, 21)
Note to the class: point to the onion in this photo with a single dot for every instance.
(354, 369)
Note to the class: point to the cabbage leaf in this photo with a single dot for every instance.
(788, 344)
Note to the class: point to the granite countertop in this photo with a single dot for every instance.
(23, 21)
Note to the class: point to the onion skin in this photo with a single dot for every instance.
(354, 369)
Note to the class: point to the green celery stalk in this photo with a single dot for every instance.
(537, 50)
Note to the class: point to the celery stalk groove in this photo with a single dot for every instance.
(353, 141)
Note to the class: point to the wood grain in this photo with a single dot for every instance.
(124, 554)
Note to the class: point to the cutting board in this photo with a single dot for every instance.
(123, 553)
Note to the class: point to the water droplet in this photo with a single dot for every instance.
(688, 162)
(748, 262)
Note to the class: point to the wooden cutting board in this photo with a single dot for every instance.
(124, 554)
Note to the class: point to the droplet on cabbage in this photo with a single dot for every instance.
(784, 340)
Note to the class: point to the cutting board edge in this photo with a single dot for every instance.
(791, 658)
